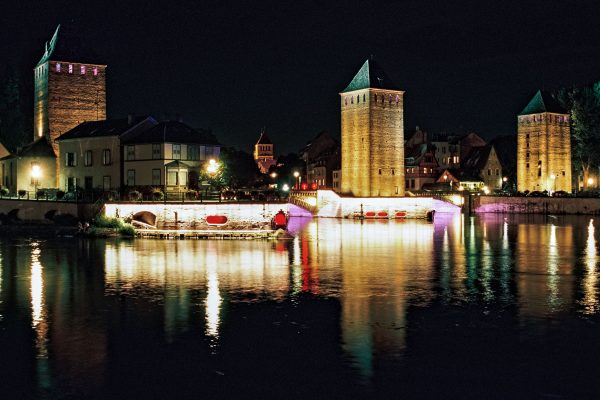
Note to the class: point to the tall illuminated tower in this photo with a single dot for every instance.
(372, 135)
(70, 88)
(543, 146)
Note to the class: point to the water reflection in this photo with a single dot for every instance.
(590, 277)
(379, 284)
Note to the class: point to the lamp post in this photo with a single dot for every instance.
(297, 176)
(36, 172)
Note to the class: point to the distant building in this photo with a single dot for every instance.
(321, 157)
(113, 155)
(483, 162)
(543, 146)
(263, 153)
(372, 122)
(17, 169)
(69, 88)
(450, 150)
(421, 166)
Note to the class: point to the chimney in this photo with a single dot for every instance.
(130, 119)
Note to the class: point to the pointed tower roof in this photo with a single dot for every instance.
(67, 47)
(370, 75)
(542, 102)
(264, 139)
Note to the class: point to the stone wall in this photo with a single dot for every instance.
(193, 216)
(372, 125)
(543, 151)
(32, 211)
(535, 205)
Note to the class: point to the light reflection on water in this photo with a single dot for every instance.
(382, 274)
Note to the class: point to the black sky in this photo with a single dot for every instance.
(235, 67)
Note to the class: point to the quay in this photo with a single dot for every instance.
(205, 234)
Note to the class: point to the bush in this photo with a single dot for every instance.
(22, 193)
(158, 195)
(102, 221)
(59, 194)
(127, 230)
(4, 192)
(134, 195)
(40, 193)
(191, 195)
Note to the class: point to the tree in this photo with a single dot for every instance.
(240, 168)
(583, 104)
(14, 131)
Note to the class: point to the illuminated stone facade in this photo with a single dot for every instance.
(68, 90)
(372, 125)
(543, 146)
(263, 153)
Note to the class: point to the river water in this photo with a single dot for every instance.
(493, 307)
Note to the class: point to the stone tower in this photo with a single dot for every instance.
(543, 146)
(263, 153)
(372, 135)
(69, 88)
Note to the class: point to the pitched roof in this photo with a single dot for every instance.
(264, 139)
(542, 102)
(171, 132)
(477, 158)
(68, 47)
(370, 75)
(39, 148)
(108, 127)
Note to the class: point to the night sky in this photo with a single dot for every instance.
(235, 67)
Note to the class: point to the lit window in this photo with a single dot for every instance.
(156, 176)
(130, 152)
(88, 158)
(95, 70)
(156, 151)
(106, 182)
(70, 160)
(82, 69)
(176, 152)
(57, 67)
(70, 68)
(106, 157)
(131, 177)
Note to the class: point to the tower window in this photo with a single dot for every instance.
(364, 98)
(358, 99)
(527, 165)
(95, 70)
(82, 69)
(57, 67)
(379, 171)
(393, 172)
(70, 68)
(352, 100)
(375, 97)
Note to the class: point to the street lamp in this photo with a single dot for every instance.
(590, 182)
(285, 187)
(297, 176)
(273, 174)
(36, 172)
(212, 166)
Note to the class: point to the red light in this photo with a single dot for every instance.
(304, 186)
(314, 186)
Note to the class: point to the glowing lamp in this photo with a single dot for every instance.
(36, 171)
(212, 166)
(273, 175)
(296, 174)
(304, 186)
(590, 181)
(285, 187)
(504, 179)
(314, 186)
